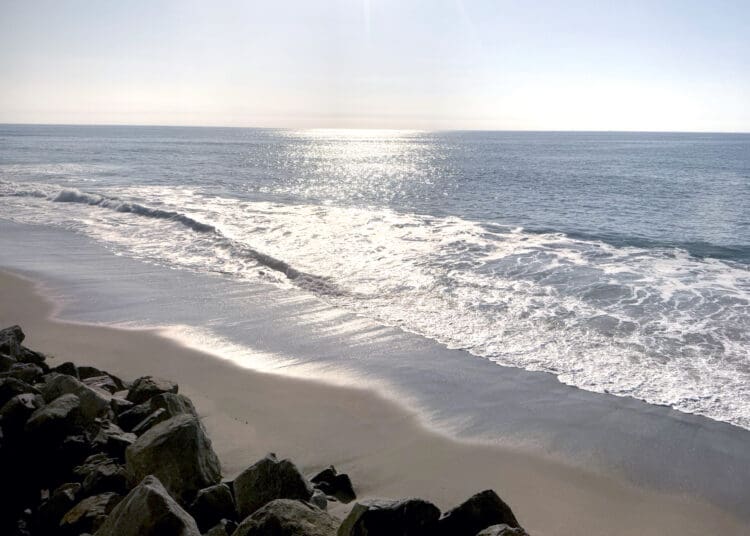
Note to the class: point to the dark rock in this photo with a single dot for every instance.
(66, 368)
(225, 527)
(17, 410)
(174, 404)
(151, 420)
(101, 474)
(10, 387)
(266, 480)
(335, 485)
(94, 402)
(86, 373)
(103, 382)
(30, 356)
(179, 453)
(148, 386)
(405, 517)
(55, 420)
(478, 512)
(319, 499)
(130, 418)
(148, 510)
(286, 517)
(56, 506)
(89, 514)
(27, 372)
(120, 405)
(211, 505)
(10, 340)
(112, 439)
(502, 530)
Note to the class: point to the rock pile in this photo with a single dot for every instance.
(84, 452)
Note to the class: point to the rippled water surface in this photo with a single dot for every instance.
(619, 262)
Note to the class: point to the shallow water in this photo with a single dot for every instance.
(618, 262)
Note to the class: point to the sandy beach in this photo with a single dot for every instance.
(379, 443)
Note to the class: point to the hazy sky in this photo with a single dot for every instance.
(598, 65)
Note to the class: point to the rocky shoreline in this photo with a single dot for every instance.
(85, 452)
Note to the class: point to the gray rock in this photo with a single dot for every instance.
(86, 373)
(130, 418)
(477, 513)
(382, 517)
(266, 480)
(151, 420)
(55, 507)
(89, 514)
(225, 527)
(335, 485)
(112, 439)
(174, 404)
(502, 530)
(55, 420)
(286, 517)
(30, 356)
(211, 505)
(148, 510)
(10, 387)
(120, 405)
(319, 499)
(100, 474)
(104, 382)
(179, 453)
(27, 372)
(17, 410)
(10, 340)
(94, 402)
(67, 368)
(148, 386)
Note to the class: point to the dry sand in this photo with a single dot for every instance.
(378, 442)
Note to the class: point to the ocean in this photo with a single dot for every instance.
(618, 262)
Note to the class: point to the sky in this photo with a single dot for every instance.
(657, 65)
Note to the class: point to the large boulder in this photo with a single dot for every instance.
(502, 530)
(148, 386)
(148, 510)
(211, 505)
(10, 340)
(266, 480)
(380, 517)
(179, 453)
(334, 484)
(94, 402)
(477, 513)
(286, 517)
(89, 514)
(54, 421)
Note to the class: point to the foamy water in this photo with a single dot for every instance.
(648, 317)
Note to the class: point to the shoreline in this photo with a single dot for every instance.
(384, 447)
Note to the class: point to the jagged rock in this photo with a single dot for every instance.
(27, 372)
(151, 420)
(266, 480)
(477, 513)
(86, 373)
(319, 499)
(502, 530)
(213, 504)
(89, 514)
(16, 411)
(380, 517)
(56, 506)
(103, 382)
(225, 527)
(286, 517)
(178, 452)
(148, 510)
(148, 386)
(130, 418)
(94, 402)
(10, 387)
(66, 368)
(335, 485)
(100, 474)
(120, 405)
(11, 339)
(112, 439)
(55, 420)
(6, 362)
(174, 404)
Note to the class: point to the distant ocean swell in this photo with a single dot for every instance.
(652, 322)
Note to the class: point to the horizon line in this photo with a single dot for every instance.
(156, 125)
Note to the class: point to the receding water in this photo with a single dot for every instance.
(618, 261)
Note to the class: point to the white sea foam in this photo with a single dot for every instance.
(656, 324)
